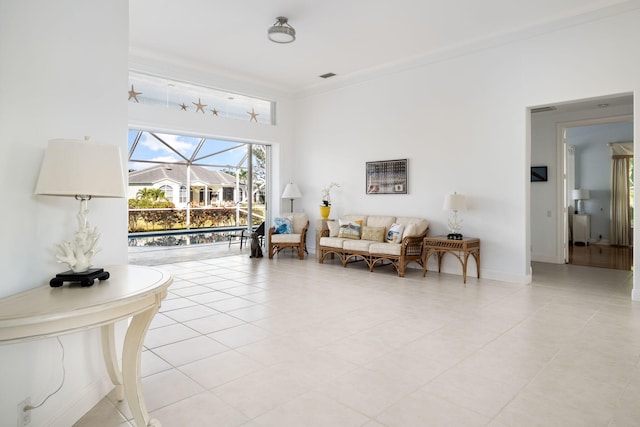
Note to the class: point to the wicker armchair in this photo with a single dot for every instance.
(296, 240)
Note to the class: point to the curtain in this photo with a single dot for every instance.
(620, 209)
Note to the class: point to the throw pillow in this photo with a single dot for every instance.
(283, 225)
(349, 230)
(334, 227)
(394, 235)
(375, 234)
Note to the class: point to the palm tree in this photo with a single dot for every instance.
(154, 194)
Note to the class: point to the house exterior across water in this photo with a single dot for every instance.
(207, 187)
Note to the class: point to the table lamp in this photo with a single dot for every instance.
(83, 170)
(580, 195)
(455, 202)
(291, 191)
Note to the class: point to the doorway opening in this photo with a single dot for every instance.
(589, 168)
(598, 203)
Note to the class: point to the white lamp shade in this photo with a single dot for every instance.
(455, 202)
(73, 167)
(580, 194)
(291, 191)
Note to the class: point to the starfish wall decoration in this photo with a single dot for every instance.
(199, 106)
(133, 94)
(253, 116)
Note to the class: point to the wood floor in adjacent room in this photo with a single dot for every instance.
(616, 257)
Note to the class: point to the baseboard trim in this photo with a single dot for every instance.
(547, 259)
(500, 276)
(81, 402)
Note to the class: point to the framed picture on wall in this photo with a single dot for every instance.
(538, 173)
(387, 177)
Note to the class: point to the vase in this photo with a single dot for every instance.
(325, 211)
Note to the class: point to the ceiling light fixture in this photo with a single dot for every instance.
(281, 31)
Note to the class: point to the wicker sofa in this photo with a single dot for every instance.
(342, 239)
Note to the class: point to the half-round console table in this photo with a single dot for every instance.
(131, 291)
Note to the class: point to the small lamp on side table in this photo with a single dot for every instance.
(83, 170)
(455, 202)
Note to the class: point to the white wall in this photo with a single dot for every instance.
(67, 78)
(545, 208)
(464, 126)
(64, 70)
(63, 74)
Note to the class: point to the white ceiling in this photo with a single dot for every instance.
(348, 37)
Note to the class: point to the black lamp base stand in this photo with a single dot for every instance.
(86, 278)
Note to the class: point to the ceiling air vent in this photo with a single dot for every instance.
(327, 75)
(542, 109)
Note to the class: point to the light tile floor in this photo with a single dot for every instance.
(283, 342)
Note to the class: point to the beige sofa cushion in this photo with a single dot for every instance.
(332, 242)
(300, 219)
(333, 227)
(421, 225)
(285, 238)
(385, 248)
(380, 221)
(356, 245)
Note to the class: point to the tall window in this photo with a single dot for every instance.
(168, 192)
(183, 194)
(202, 167)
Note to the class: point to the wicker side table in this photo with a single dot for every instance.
(461, 249)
